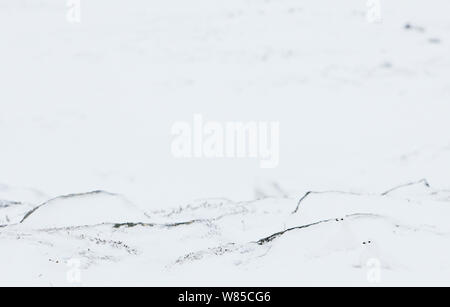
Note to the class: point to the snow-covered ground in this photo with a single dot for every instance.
(91, 194)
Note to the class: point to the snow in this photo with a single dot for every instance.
(86, 209)
(86, 171)
(331, 239)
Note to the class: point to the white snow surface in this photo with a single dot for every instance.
(362, 192)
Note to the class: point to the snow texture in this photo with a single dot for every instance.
(91, 195)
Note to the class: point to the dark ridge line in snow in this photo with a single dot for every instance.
(280, 233)
(66, 197)
(324, 192)
(117, 225)
(422, 181)
(354, 215)
(167, 225)
(135, 224)
(129, 224)
(204, 204)
(231, 246)
(189, 222)
(78, 227)
(121, 225)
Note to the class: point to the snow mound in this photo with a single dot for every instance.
(86, 209)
